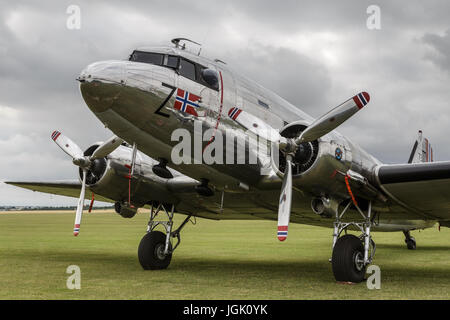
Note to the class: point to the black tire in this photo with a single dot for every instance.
(345, 252)
(149, 252)
(411, 243)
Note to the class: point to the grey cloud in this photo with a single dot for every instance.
(441, 45)
(295, 77)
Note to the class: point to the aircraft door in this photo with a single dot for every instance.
(227, 92)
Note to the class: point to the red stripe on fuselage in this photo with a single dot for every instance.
(220, 111)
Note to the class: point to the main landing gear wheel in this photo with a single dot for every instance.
(155, 250)
(351, 254)
(348, 259)
(151, 251)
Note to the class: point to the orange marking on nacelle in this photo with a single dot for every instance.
(350, 191)
(92, 203)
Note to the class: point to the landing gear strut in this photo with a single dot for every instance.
(155, 249)
(410, 241)
(351, 254)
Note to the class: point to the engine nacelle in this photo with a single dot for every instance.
(125, 210)
(109, 177)
(318, 166)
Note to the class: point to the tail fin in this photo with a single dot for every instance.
(422, 150)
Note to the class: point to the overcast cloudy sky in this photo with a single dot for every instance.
(315, 54)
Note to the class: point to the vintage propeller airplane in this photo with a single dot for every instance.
(322, 174)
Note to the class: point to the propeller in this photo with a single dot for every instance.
(85, 163)
(284, 207)
(106, 147)
(334, 118)
(318, 128)
(79, 213)
(67, 145)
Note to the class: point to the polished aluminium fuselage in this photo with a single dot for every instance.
(127, 97)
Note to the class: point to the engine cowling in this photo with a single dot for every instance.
(305, 156)
(97, 168)
(107, 177)
(316, 163)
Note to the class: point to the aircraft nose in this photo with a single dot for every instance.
(101, 84)
(104, 71)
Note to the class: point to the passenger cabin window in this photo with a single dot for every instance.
(263, 104)
(187, 69)
(147, 57)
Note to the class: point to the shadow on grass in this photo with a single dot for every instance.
(443, 248)
(318, 271)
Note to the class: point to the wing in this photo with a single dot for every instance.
(69, 188)
(421, 187)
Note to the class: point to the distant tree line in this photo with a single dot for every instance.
(47, 208)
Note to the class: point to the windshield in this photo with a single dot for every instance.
(147, 57)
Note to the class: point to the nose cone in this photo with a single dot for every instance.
(105, 71)
(101, 83)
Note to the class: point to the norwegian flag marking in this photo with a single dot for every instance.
(186, 102)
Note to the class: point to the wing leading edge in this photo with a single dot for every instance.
(69, 188)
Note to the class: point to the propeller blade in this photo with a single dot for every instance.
(67, 145)
(78, 215)
(284, 207)
(334, 118)
(106, 147)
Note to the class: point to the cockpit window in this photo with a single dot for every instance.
(147, 57)
(172, 61)
(187, 69)
(182, 66)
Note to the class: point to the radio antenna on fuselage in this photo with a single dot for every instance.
(176, 42)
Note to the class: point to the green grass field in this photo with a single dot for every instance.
(216, 260)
